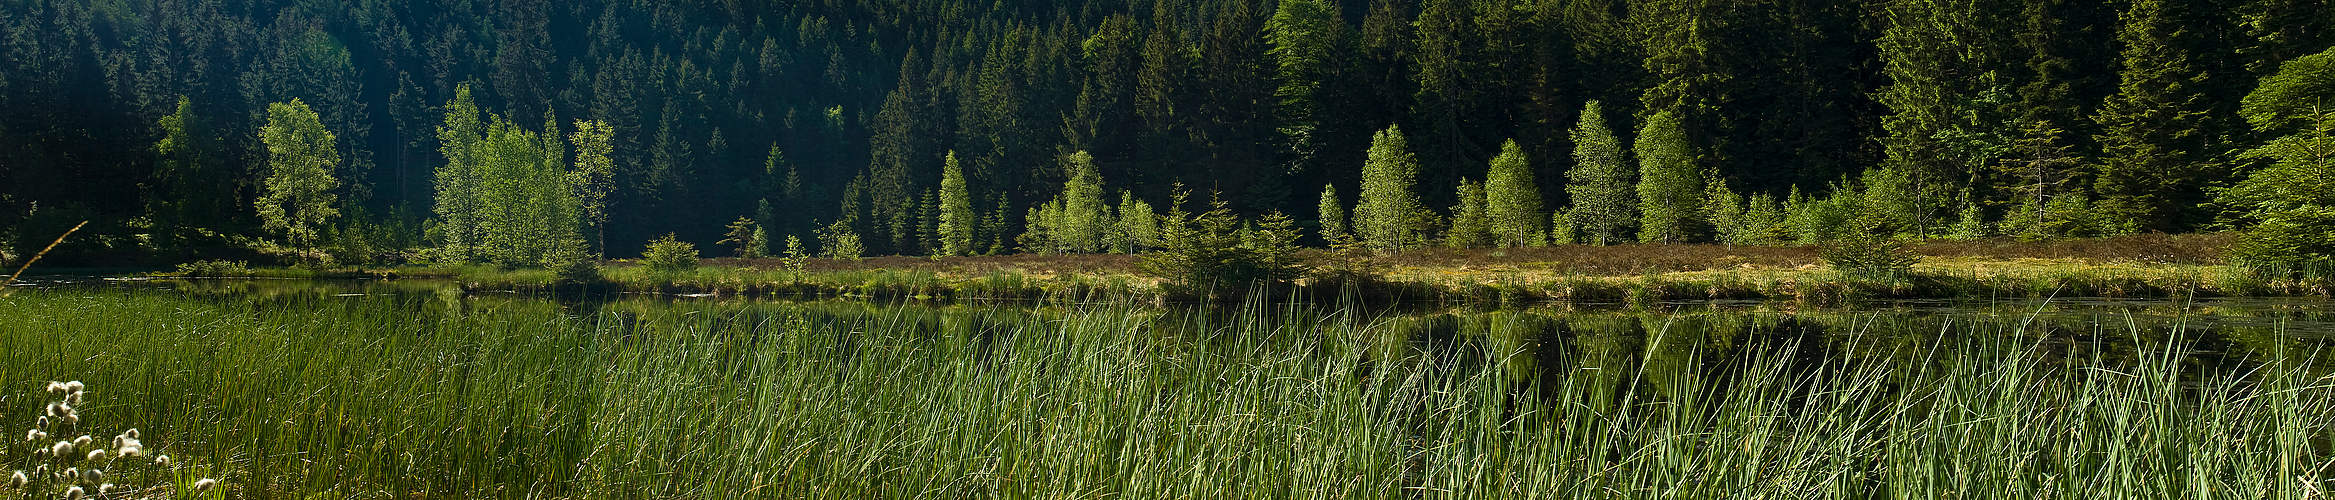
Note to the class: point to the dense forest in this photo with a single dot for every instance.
(497, 130)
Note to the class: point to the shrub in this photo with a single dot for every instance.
(214, 269)
(2290, 242)
(837, 241)
(571, 264)
(1869, 256)
(667, 255)
(1212, 251)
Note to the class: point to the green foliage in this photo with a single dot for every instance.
(297, 199)
(1333, 216)
(1819, 220)
(1303, 37)
(1971, 224)
(1725, 210)
(744, 238)
(668, 255)
(214, 269)
(594, 177)
(459, 202)
(2158, 132)
(1388, 217)
(1512, 199)
(1212, 254)
(1562, 230)
(1605, 201)
(182, 196)
(1138, 227)
(1470, 226)
(2290, 206)
(1075, 222)
(796, 258)
(1670, 184)
(957, 219)
(1869, 256)
(839, 242)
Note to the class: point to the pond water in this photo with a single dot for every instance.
(395, 388)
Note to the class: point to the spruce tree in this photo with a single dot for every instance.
(2156, 132)
(1388, 216)
(296, 200)
(1605, 203)
(1512, 199)
(1670, 185)
(1333, 216)
(1303, 36)
(956, 209)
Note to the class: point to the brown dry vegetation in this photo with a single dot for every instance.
(1616, 260)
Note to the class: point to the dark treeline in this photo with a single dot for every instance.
(824, 117)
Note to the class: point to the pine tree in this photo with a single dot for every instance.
(1333, 216)
(1605, 203)
(956, 209)
(1670, 185)
(1471, 227)
(2156, 132)
(1512, 197)
(297, 199)
(1388, 216)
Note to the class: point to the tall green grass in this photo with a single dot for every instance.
(484, 397)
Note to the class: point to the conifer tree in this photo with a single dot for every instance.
(956, 209)
(1512, 199)
(1388, 216)
(297, 200)
(2156, 131)
(1670, 185)
(1333, 216)
(1605, 202)
(1304, 37)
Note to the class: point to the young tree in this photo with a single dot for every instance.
(1333, 216)
(297, 200)
(457, 181)
(1725, 210)
(739, 235)
(1138, 226)
(1387, 217)
(1512, 199)
(1471, 227)
(956, 209)
(594, 177)
(1670, 186)
(1084, 216)
(2288, 208)
(1605, 205)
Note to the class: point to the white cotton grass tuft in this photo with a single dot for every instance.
(96, 455)
(19, 479)
(205, 484)
(132, 433)
(82, 442)
(162, 460)
(93, 475)
(105, 489)
(58, 388)
(75, 493)
(35, 435)
(62, 448)
(74, 386)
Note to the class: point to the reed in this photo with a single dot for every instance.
(487, 397)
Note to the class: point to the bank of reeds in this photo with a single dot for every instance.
(476, 397)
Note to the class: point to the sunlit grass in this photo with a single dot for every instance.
(475, 397)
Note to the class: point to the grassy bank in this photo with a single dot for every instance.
(2149, 266)
(480, 397)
